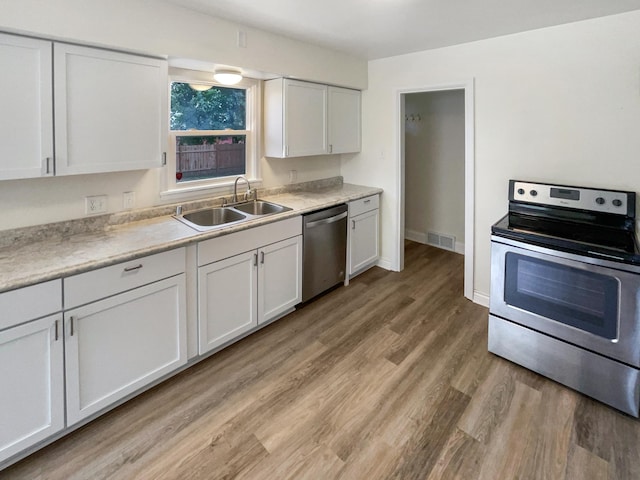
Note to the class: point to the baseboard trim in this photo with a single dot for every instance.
(481, 298)
(384, 263)
(415, 236)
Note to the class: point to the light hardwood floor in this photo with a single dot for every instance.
(388, 378)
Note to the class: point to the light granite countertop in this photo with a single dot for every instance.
(33, 255)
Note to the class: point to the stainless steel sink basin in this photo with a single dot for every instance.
(260, 207)
(216, 217)
(211, 217)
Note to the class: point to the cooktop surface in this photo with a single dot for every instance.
(593, 241)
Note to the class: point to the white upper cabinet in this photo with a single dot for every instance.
(110, 110)
(295, 118)
(26, 123)
(303, 118)
(305, 106)
(344, 120)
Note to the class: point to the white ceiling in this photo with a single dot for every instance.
(382, 28)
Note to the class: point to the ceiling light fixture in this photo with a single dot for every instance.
(199, 87)
(227, 77)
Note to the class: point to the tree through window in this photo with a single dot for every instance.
(210, 131)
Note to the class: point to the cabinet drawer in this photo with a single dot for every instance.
(104, 282)
(229, 245)
(356, 207)
(28, 303)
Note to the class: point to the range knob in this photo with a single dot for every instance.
(600, 201)
(533, 193)
(617, 202)
(521, 191)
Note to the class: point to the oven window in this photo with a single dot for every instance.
(582, 299)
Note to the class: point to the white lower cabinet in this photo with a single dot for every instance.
(124, 327)
(364, 234)
(239, 291)
(227, 299)
(118, 345)
(279, 278)
(31, 384)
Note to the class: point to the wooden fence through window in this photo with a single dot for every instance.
(213, 160)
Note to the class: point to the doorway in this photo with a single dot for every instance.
(441, 204)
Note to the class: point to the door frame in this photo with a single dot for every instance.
(467, 86)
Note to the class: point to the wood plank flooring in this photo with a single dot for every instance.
(388, 378)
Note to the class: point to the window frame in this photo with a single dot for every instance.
(220, 185)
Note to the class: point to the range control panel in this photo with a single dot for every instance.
(608, 201)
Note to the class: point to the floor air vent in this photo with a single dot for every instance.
(448, 242)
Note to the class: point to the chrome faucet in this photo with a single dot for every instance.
(235, 189)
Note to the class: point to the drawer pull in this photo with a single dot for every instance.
(367, 201)
(135, 267)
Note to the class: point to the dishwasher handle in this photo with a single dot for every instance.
(326, 221)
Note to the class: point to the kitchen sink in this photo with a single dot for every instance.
(210, 218)
(260, 207)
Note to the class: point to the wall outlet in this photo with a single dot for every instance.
(95, 204)
(293, 176)
(128, 200)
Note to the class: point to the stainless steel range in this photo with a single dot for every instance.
(565, 289)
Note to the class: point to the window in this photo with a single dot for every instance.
(212, 134)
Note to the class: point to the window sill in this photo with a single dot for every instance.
(219, 189)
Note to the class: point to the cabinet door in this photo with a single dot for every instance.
(279, 278)
(119, 345)
(110, 110)
(305, 118)
(31, 383)
(227, 295)
(363, 240)
(344, 120)
(26, 123)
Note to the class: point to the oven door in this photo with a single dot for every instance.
(589, 303)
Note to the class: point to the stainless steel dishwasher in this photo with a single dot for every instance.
(324, 253)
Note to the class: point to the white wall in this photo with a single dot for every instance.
(434, 164)
(154, 27)
(559, 104)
